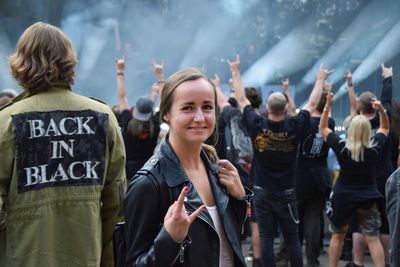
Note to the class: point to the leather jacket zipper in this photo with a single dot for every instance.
(203, 219)
(181, 254)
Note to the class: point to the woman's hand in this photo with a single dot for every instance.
(329, 100)
(177, 221)
(235, 65)
(377, 105)
(158, 69)
(120, 64)
(229, 177)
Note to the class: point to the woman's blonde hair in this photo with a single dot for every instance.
(358, 137)
(43, 57)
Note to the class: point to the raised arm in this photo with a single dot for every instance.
(158, 86)
(222, 99)
(323, 123)
(240, 94)
(387, 92)
(122, 100)
(316, 93)
(351, 93)
(291, 104)
(383, 117)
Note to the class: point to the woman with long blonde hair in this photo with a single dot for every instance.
(355, 191)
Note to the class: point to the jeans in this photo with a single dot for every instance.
(273, 208)
(393, 214)
(310, 215)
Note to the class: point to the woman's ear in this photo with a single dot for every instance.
(166, 118)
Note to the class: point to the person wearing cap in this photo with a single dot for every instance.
(141, 128)
(6, 96)
(62, 173)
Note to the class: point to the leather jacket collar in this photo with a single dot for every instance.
(175, 175)
(169, 162)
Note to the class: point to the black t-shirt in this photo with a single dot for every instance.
(356, 184)
(138, 151)
(275, 147)
(313, 178)
(313, 150)
(352, 172)
(385, 167)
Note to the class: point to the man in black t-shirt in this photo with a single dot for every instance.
(384, 169)
(276, 140)
(313, 182)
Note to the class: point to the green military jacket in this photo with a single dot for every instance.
(62, 179)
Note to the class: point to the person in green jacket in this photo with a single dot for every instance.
(62, 174)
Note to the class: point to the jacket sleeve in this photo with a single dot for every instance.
(387, 94)
(240, 207)
(114, 189)
(7, 156)
(393, 214)
(147, 241)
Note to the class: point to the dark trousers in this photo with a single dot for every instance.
(273, 208)
(310, 211)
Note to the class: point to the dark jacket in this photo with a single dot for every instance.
(160, 181)
(393, 214)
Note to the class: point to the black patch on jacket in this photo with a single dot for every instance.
(59, 148)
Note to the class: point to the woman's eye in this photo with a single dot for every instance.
(208, 107)
(188, 108)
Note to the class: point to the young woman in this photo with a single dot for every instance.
(203, 226)
(355, 191)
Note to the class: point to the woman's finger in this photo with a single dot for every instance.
(181, 199)
(194, 215)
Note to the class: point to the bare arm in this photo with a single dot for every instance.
(240, 94)
(316, 93)
(291, 104)
(323, 123)
(222, 99)
(352, 94)
(383, 117)
(122, 100)
(159, 73)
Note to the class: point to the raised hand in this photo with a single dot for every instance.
(377, 105)
(158, 70)
(323, 73)
(120, 64)
(329, 99)
(386, 72)
(177, 221)
(235, 65)
(216, 81)
(349, 78)
(328, 87)
(285, 85)
(229, 177)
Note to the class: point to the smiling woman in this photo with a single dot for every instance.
(209, 213)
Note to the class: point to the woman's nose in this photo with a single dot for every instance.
(199, 116)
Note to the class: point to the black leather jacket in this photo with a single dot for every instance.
(152, 191)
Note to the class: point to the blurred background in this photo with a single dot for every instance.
(275, 39)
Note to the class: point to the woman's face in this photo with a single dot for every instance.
(192, 114)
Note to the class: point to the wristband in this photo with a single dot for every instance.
(120, 73)
(160, 81)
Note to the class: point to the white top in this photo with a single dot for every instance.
(226, 253)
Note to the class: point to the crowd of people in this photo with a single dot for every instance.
(83, 184)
